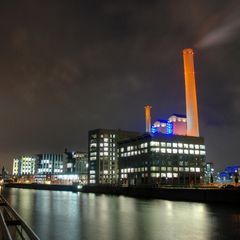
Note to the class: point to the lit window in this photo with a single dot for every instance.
(191, 151)
(169, 175)
(163, 144)
(163, 174)
(202, 147)
(192, 169)
(163, 150)
(202, 152)
(175, 169)
(153, 174)
(197, 152)
(155, 149)
(174, 145)
(185, 151)
(180, 169)
(185, 145)
(191, 146)
(180, 151)
(186, 169)
(197, 169)
(152, 143)
(174, 150)
(180, 145)
(169, 150)
(196, 146)
(163, 168)
(175, 175)
(169, 144)
(105, 139)
(169, 169)
(106, 149)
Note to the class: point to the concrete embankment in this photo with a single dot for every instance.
(214, 195)
(51, 187)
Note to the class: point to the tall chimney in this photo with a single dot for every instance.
(148, 118)
(191, 96)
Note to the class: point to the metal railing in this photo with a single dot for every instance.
(12, 226)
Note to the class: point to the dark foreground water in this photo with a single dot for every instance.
(59, 215)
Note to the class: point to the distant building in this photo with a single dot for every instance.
(77, 163)
(209, 172)
(50, 163)
(102, 154)
(229, 174)
(154, 159)
(24, 165)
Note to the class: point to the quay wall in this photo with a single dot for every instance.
(211, 195)
(51, 187)
(214, 195)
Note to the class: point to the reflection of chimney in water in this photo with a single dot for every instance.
(148, 118)
(190, 91)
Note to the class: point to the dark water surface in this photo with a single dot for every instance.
(59, 215)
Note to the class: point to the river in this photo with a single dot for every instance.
(57, 215)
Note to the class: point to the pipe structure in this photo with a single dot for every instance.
(148, 118)
(191, 95)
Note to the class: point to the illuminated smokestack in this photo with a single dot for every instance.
(148, 118)
(191, 96)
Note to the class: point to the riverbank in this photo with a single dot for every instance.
(211, 195)
(50, 187)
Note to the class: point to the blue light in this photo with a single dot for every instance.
(154, 129)
(169, 128)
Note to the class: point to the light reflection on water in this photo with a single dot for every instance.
(66, 215)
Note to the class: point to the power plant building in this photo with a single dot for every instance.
(171, 151)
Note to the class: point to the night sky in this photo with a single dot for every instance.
(70, 66)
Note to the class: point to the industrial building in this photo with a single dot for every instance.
(171, 151)
(102, 152)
